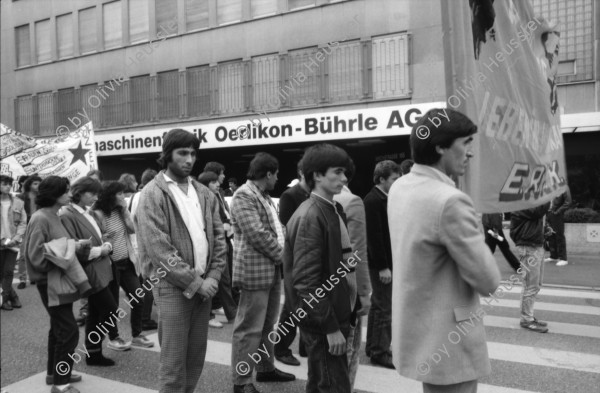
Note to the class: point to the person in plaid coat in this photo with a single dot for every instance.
(257, 258)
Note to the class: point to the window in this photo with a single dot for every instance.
(46, 113)
(42, 41)
(294, 4)
(111, 23)
(23, 46)
(141, 99)
(166, 16)
(64, 35)
(265, 82)
(90, 105)
(263, 7)
(345, 66)
(229, 11)
(138, 21)
(231, 87)
(87, 30)
(114, 107)
(66, 106)
(24, 115)
(196, 14)
(390, 67)
(198, 91)
(302, 87)
(168, 95)
(566, 67)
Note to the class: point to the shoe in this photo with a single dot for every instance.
(149, 325)
(559, 263)
(534, 326)
(288, 359)
(384, 360)
(15, 302)
(550, 260)
(247, 388)
(118, 344)
(7, 305)
(275, 376)
(22, 285)
(219, 311)
(74, 378)
(541, 323)
(67, 389)
(142, 341)
(215, 324)
(98, 359)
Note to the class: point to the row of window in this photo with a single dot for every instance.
(77, 33)
(336, 73)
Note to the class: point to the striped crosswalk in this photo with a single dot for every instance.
(522, 361)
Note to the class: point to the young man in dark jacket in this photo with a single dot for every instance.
(317, 258)
(527, 231)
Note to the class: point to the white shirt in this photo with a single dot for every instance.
(94, 251)
(189, 207)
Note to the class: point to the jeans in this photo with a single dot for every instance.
(125, 277)
(353, 348)
(557, 242)
(257, 313)
(7, 273)
(512, 260)
(148, 300)
(463, 387)
(63, 337)
(326, 373)
(282, 348)
(224, 297)
(100, 306)
(379, 324)
(22, 265)
(532, 263)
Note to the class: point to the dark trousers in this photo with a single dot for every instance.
(126, 278)
(8, 258)
(282, 348)
(63, 337)
(557, 242)
(326, 373)
(224, 297)
(492, 242)
(148, 300)
(100, 306)
(379, 324)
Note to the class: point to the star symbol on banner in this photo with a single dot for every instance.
(79, 154)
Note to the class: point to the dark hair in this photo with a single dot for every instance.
(350, 170)
(107, 200)
(147, 176)
(22, 180)
(319, 158)
(406, 165)
(261, 164)
(438, 127)
(208, 177)
(50, 189)
(215, 167)
(6, 179)
(176, 139)
(385, 169)
(30, 180)
(97, 173)
(232, 180)
(83, 185)
(128, 181)
(299, 169)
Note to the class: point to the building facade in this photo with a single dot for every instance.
(252, 75)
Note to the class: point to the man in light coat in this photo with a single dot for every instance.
(441, 262)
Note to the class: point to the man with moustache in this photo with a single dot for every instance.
(178, 223)
(441, 262)
(257, 257)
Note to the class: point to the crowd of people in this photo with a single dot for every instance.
(411, 258)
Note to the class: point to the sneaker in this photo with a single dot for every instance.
(219, 311)
(142, 341)
(22, 285)
(534, 326)
(550, 260)
(118, 344)
(66, 389)
(74, 378)
(559, 263)
(215, 324)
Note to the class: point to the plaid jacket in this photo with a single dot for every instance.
(164, 243)
(257, 256)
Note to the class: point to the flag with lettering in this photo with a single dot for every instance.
(504, 62)
(71, 155)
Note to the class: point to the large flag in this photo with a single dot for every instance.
(70, 156)
(504, 62)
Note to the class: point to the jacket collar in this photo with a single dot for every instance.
(433, 173)
(72, 209)
(162, 184)
(377, 191)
